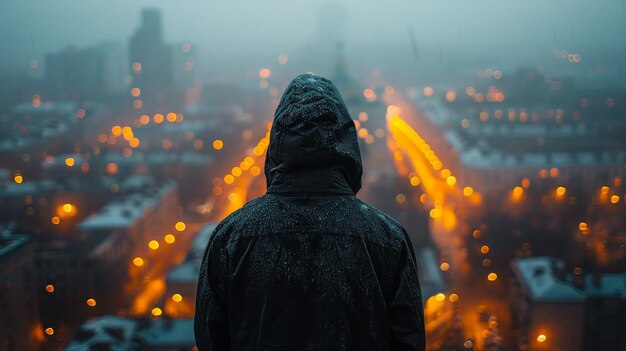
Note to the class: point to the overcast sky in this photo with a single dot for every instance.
(31, 28)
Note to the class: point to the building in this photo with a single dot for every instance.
(181, 281)
(32, 131)
(494, 147)
(20, 328)
(150, 59)
(120, 333)
(91, 267)
(91, 72)
(554, 311)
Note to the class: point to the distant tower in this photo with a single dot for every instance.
(332, 24)
(341, 75)
(150, 58)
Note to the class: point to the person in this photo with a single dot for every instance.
(309, 266)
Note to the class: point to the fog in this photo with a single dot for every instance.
(510, 33)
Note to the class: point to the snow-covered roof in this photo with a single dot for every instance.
(606, 285)
(124, 212)
(537, 274)
(168, 332)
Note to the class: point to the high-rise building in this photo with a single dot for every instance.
(91, 72)
(150, 58)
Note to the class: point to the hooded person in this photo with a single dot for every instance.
(308, 266)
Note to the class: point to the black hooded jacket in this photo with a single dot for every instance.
(308, 266)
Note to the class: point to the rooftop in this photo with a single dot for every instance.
(538, 274)
(122, 333)
(124, 212)
(10, 242)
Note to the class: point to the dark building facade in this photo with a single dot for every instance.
(19, 313)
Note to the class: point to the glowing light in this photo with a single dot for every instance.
(134, 142)
(541, 338)
(255, 171)
(450, 96)
(258, 151)
(236, 171)
(400, 198)
(135, 92)
(138, 261)
(112, 168)
(137, 67)
(116, 130)
(560, 191)
(468, 191)
(265, 73)
(68, 208)
(158, 118)
(444, 266)
(363, 116)
(229, 179)
(91, 302)
(440, 297)
(492, 277)
(153, 244)
(454, 297)
(554, 172)
(18, 179)
(518, 191)
(218, 144)
(177, 298)
(614, 199)
(169, 238)
(171, 117)
(604, 190)
(69, 162)
(55, 220)
(435, 213)
(484, 249)
(180, 226)
(428, 91)
(415, 181)
(50, 331)
(156, 312)
(50, 288)
(451, 180)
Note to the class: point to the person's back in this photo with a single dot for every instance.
(308, 266)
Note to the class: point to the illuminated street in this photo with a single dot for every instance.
(493, 132)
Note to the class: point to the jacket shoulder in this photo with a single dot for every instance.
(387, 229)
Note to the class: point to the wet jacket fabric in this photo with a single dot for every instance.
(308, 266)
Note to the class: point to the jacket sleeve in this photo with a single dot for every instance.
(406, 311)
(211, 325)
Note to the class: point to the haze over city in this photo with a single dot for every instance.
(493, 131)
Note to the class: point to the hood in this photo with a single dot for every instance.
(313, 143)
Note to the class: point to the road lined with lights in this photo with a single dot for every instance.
(416, 160)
